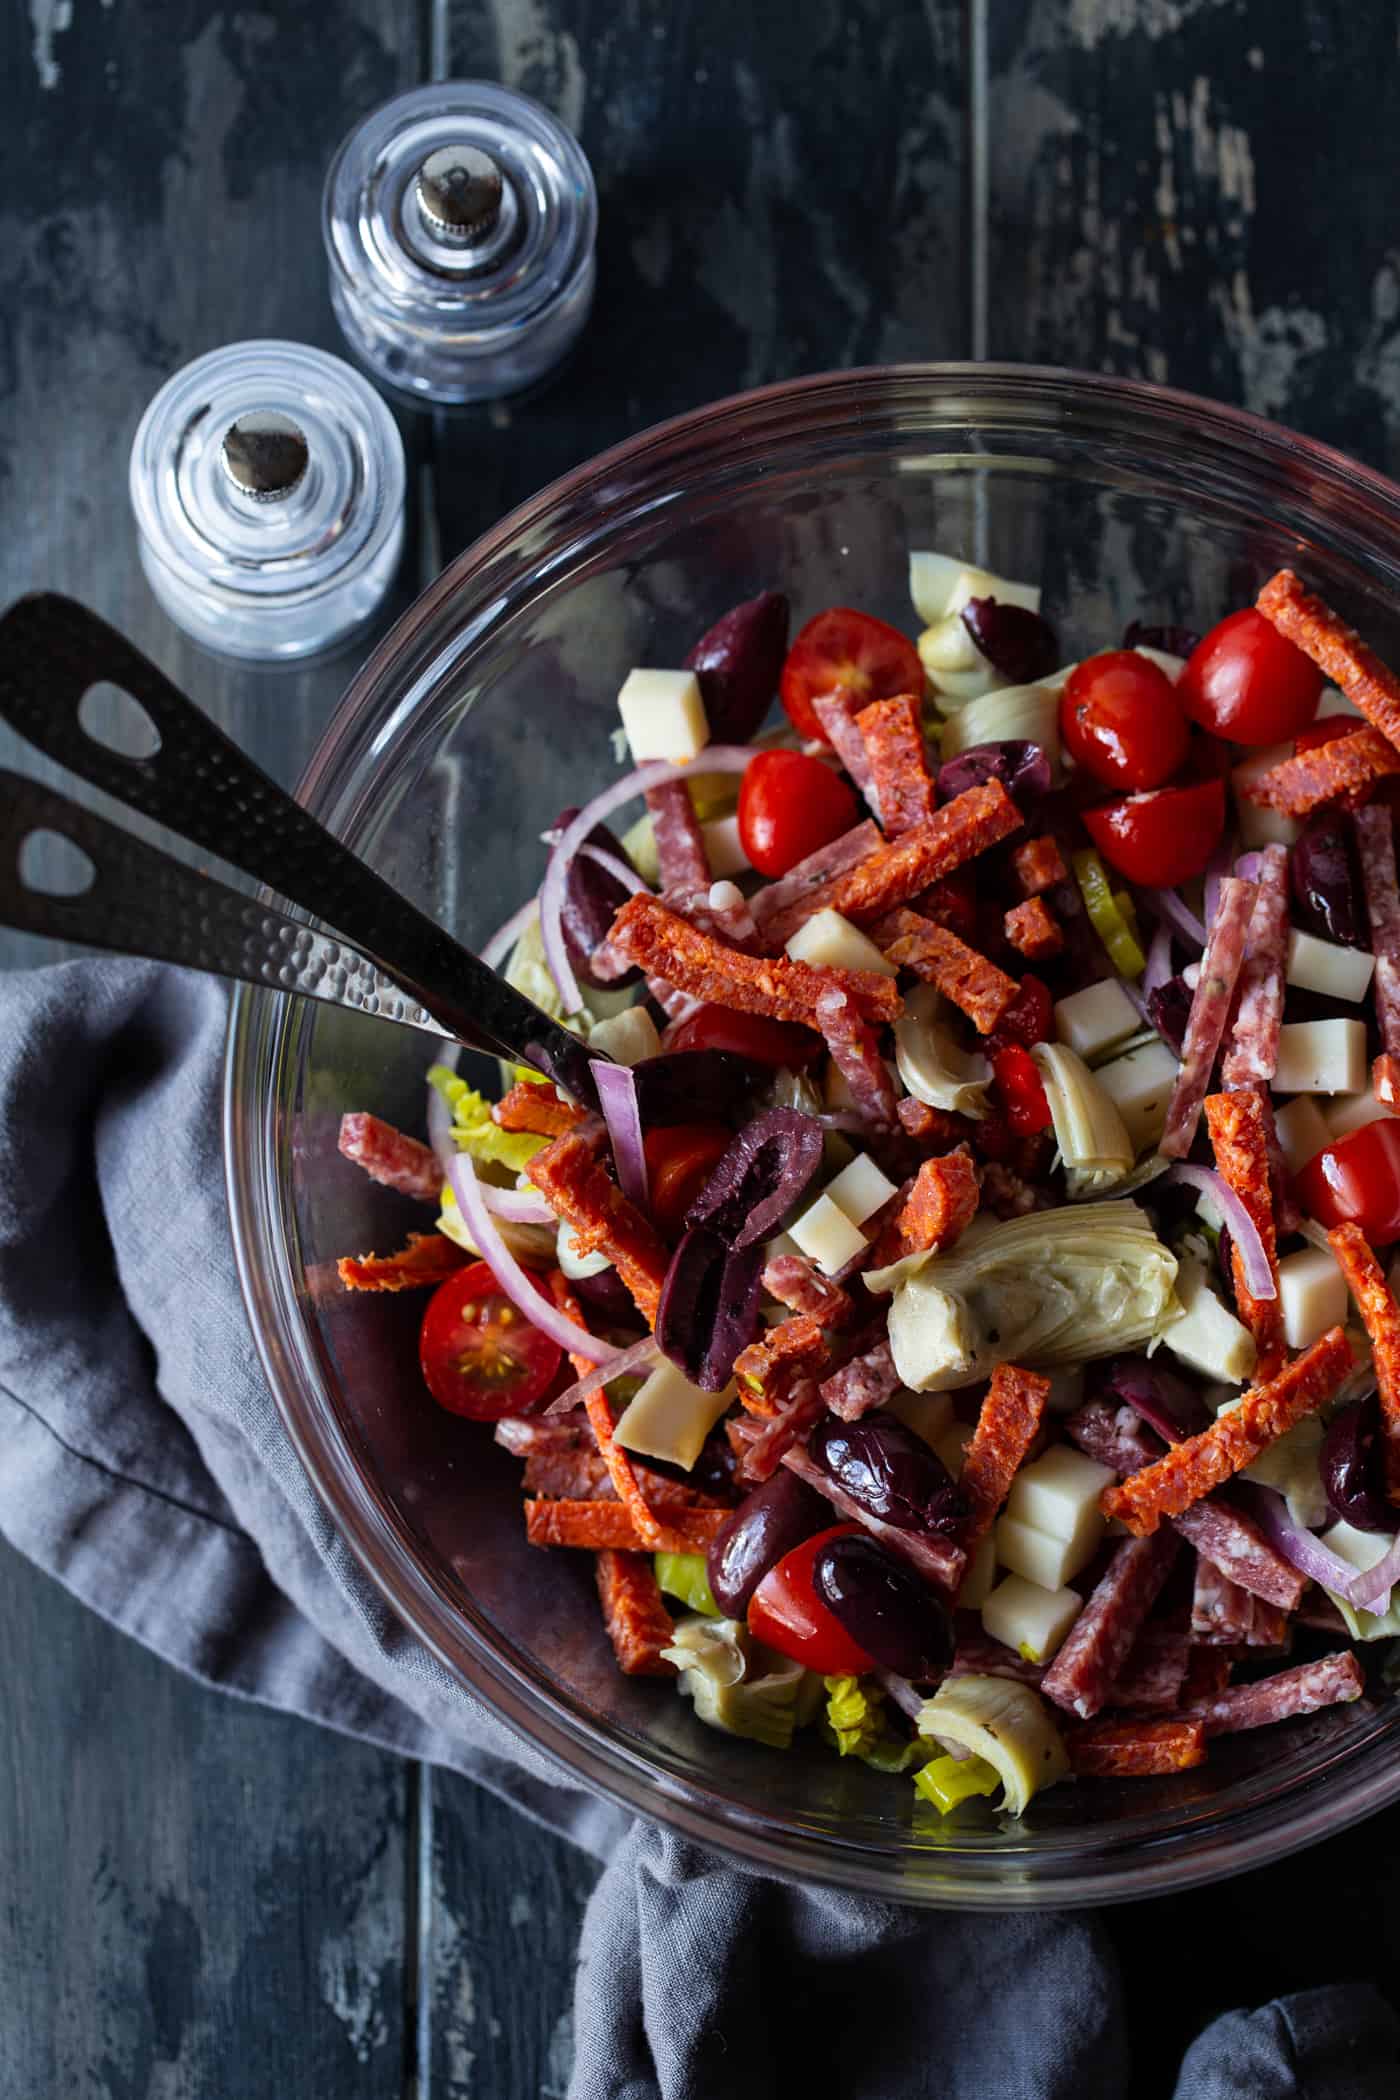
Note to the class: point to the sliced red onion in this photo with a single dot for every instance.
(617, 1097)
(505, 937)
(440, 1128)
(1169, 906)
(1159, 959)
(719, 758)
(517, 1206)
(906, 1696)
(538, 1310)
(1135, 999)
(1363, 1588)
(1258, 1276)
(623, 870)
(640, 1357)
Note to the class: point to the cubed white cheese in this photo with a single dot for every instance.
(1028, 1619)
(826, 1235)
(929, 1415)
(572, 1264)
(830, 942)
(1059, 1493)
(952, 1446)
(1094, 1019)
(723, 847)
(627, 1038)
(940, 584)
(981, 1574)
(1321, 1057)
(1301, 1131)
(1208, 1337)
(780, 1244)
(1289, 1465)
(1327, 967)
(1262, 827)
(1312, 1296)
(947, 646)
(670, 1418)
(1042, 1558)
(1347, 1112)
(860, 1189)
(1140, 1086)
(664, 715)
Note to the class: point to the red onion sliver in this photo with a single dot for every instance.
(538, 1310)
(617, 1097)
(518, 1206)
(1159, 959)
(505, 937)
(1258, 1276)
(640, 1357)
(1362, 1588)
(1169, 906)
(623, 870)
(907, 1697)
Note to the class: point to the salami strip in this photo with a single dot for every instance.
(546, 1434)
(599, 1525)
(1342, 771)
(1115, 1436)
(1286, 1212)
(867, 1381)
(1007, 1195)
(856, 1054)
(1039, 866)
(1033, 930)
(536, 1110)
(1381, 1318)
(1239, 1136)
(893, 736)
(1268, 1627)
(1007, 1425)
(638, 1623)
(581, 1475)
(937, 1559)
(1334, 1680)
(719, 909)
(1150, 1681)
(389, 1157)
(1136, 1749)
(978, 1655)
(955, 834)
(1253, 1049)
(836, 712)
(1375, 841)
(976, 986)
(1098, 1644)
(680, 843)
(677, 1006)
(1210, 1010)
(795, 1283)
(666, 946)
(758, 1445)
(1222, 1614)
(428, 1260)
(577, 1188)
(1313, 627)
(933, 1126)
(1207, 1674)
(1234, 1544)
(780, 907)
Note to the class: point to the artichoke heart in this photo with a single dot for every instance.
(739, 1686)
(934, 1068)
(1089, 1130)
(1004, 1723)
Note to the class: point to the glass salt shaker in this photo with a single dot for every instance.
(459, 222)
(267, 480)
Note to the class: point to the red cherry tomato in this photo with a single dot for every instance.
(787, 1615)
(480, 1356)
(1249, 683)
(1326, 731)
(846, 652)
(1357, 1181)
(1120, 719)
(1163, 838)
(789, 806)
(747, 1035)
(679, 1159)
(1022, 1090)
(1028, 1020)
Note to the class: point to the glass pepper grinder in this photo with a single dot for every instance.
(267, 480)
(459, 222)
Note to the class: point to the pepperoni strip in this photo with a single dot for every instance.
(855, 1051)
(769, 1369)
(536, 1110)
(1381, 1318)
(1341, 771)
(1137, 1749)
(781, 907)
(978, 818)
(1253, 1049)
(599, 1525)
(1334, 1680)
(1310, 623)
(1234, 1440)
(893, 736)
(1098, 1644)
(940, 1205)
(867, 1381)
(578, 1189)
(1007, 1426)
(389, 1157)
(1375, 842)
(1222, 1614)
(1033, 930)
(680, 843)
(1237, 1132)
(428, 1259)
(638, 1623)
(1150, 1680)
(1210, 1011)
(758, 1446)
(666, 946)
(936, 1558)
(978, 987)
(1039, 866)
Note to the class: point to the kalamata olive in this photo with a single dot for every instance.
(882, 1604)
(1323, 874)
(889, 1471)
(689, 1086)
(712, 1472)
(1015, 641)
(738, 664)
(1172, 641)
(593, 896)
(1159, 1395)
(709, 1306)
(1022, 768)
(760, 1177)
(1351, 1465)
(1169, 1010)
(766, 1525)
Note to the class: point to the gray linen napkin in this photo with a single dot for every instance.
(145, 1466)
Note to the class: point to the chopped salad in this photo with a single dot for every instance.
(959, 1327)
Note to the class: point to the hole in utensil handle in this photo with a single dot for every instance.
(54, 866)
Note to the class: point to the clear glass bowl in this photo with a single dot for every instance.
(484, 713)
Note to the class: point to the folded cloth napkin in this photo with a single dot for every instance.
(147, 1468)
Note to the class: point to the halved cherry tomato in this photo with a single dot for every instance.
(1022, 1090)
(1357, 1181)
(1028, 1020)
(679, 1159)
(1326, 731)
(480, 1356)
(1120, 719)
(1163, 838)
(1248, 682)
(789, 806)
(846, 652)
(747, 1035)
(787, 1615)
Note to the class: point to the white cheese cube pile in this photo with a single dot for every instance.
(1140, 1086)
(1321, 1057)
(1207, 1336)
(1313, 1296)
(1262, 827)
(830, 942)
(980, 1577)
(670, 1418)
(723, 847)
(828, 1231)
(1096, 1018)
(1347, 1112)
(860, 1189)
(1028, 1618)
(1301, 1131)
(1327, 967)
(664, 715)
(1052, 1523)
(940, 587)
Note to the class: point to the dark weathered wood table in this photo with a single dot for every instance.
(200, 1898)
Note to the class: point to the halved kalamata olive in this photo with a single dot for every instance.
(607, 1294)
(1323, 875)
(1172, 641)
(709, 1306)
(766, 1525)
(1168, 1402)
(760, 1177)
(1015, 641)
(593, 896)
(889, 1471)
(691, 1086)
(1351, 1465)
(1169, 1010)
(884, 1606)
(712, 1472)
(1022, 768)
(738, 664)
